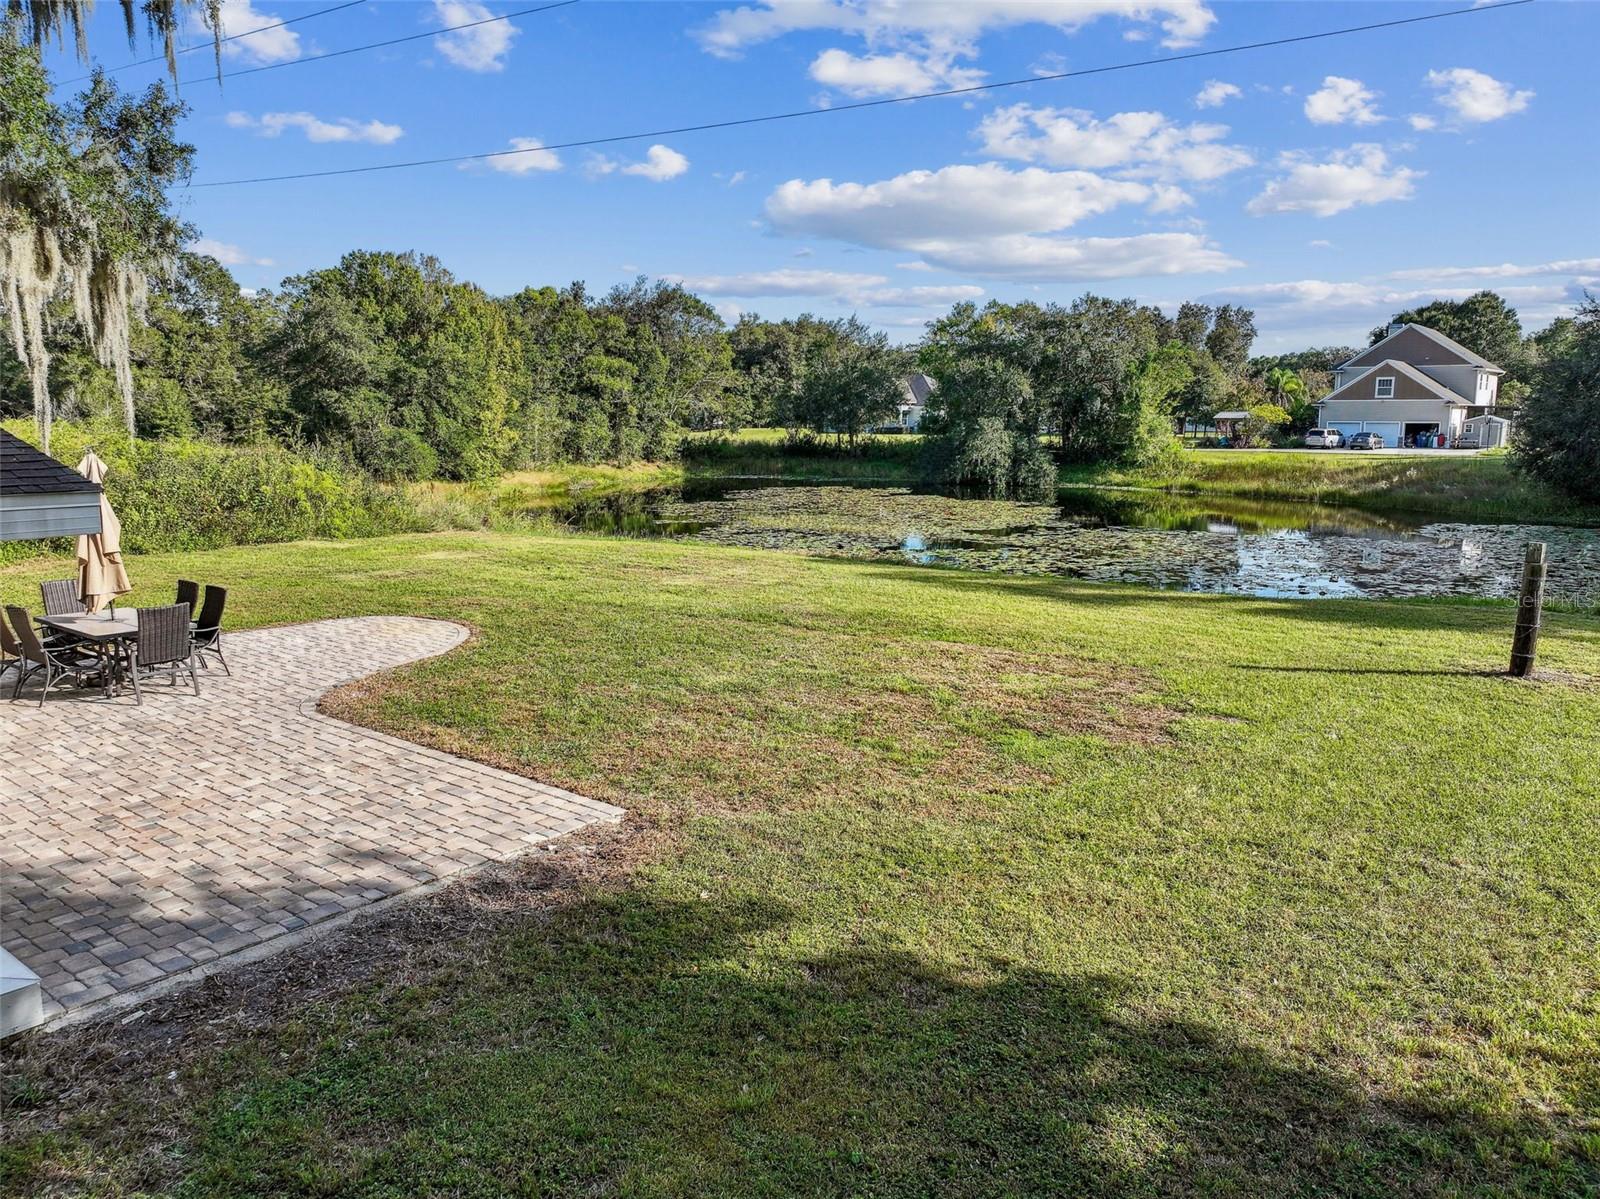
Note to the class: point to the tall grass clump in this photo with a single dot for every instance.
(180, 494)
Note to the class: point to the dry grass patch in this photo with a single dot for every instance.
(822, 717)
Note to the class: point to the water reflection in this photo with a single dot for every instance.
(1160, 541)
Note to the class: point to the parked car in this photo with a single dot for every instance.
(1325, 439)
(1367, 441)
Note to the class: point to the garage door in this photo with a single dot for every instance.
(1348, 427)
(1389, 428)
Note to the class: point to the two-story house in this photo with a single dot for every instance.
(1417, 382)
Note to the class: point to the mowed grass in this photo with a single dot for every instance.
(1481, 487)
(952, 884)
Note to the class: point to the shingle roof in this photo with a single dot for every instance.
(1455, 347)
(26, 471)
(918, 388)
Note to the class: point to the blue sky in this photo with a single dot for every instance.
(1325, 184)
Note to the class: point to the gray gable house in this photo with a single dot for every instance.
(1417, 382)
(914, 393)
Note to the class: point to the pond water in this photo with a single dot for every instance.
(1185, 543)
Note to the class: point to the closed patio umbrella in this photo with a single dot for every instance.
(101, 575)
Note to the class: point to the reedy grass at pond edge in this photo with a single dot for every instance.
(956, 883)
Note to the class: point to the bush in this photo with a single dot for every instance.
(182, 494)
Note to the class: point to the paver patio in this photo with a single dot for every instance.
(144, 843)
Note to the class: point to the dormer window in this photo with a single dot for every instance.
(1384, 389)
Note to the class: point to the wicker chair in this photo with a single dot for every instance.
(163, 642)
(10, 651)
(34, 655)
(61, 597)
(188, 593)
(208, 626)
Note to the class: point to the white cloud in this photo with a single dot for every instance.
(1216, 93)
(1475, 97)
(786, 281)
(987, 220)
(895, 74)
(953, 201)
(1422, 122)
(861, 290)
(530, 157)
(239, 17)
(340, 129)
(933, 295)
(1505, 270)
(660, 164)
(226, 252)
(1320, 243)
(1064, 259)
(1320, 311)
(1360, 175)
(912, 266)
(482, 48)
(1134, 143)
(940, 24)
(1341, 101)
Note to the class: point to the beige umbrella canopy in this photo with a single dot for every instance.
(101, 575)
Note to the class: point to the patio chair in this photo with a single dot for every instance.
(208, 626)
(34, 655)
(61, 597)
(188, 593)
(163, 641)
(10, 651)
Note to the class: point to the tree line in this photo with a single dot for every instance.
(389, 360)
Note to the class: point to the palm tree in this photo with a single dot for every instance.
(1285, 387)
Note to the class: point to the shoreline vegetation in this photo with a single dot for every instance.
(1479, 488)
(192, 493)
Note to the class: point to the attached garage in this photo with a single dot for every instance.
(1388, 429)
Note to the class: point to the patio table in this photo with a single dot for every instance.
(103, 630)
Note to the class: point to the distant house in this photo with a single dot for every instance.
(1417, 382)
(914, 393)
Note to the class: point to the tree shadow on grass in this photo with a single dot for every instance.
(641, 1043)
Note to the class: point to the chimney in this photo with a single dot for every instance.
(1395, 328)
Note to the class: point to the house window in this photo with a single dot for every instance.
(1385, 388)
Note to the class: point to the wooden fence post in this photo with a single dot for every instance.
(1530, 604)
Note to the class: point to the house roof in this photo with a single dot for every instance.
(1395, 366)
(918, 388)
(1231, 416)
(1455, 347)
(26, 471)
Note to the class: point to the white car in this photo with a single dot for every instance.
(1325, 439)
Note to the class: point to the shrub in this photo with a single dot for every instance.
(183, 494)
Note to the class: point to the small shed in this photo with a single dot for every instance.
(39, 497)
(1228, 422)
(1486, 432)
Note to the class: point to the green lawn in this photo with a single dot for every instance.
(947, 884)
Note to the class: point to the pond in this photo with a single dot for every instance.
(1158, 540)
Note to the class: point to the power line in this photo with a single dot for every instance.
(394, 41)
(232, 37)
(860, 104)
